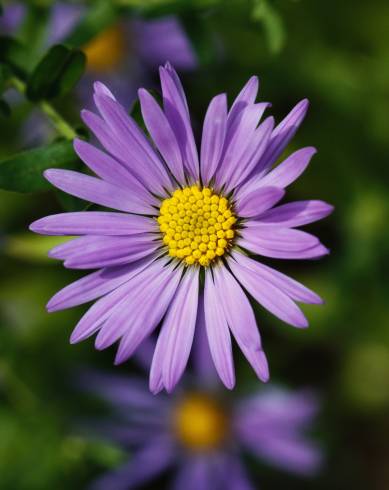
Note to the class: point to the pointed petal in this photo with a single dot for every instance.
(281, 239)
(97, 191)
(103, 308)
(253, 153)
(270, 297)
(259, 201)
(93, 252)
(110, 170)
(241, 320)
(162, 134)
(96, 285)
(238, 143)
(214, 133)
(93, 223)
(290, 169)
(296, 213)
(246, 96)
(178, 327)
(281, 136)
(177, 113)
(292, 288)
(140, 314)
(314, 252)
(218, 334)
(133, 139)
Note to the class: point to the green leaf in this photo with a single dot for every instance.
(23, 172)
(272, 23)
(56, 74)
(14, 54)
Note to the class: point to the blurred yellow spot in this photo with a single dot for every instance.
(105, 51)
(200, 423)
(189, 230)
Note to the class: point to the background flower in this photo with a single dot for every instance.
(199, 435)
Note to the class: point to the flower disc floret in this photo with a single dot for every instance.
(197, 225)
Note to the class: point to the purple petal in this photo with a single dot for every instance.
(246, 96)
(179, 326)
(97, 191)
(259, 201)
(279, 239)
(101, 89)
(241, 320)
(218, 334)
(154, 458)
(110, 170)
(290, 169)
(129, 133)
(162, 134)
(270, 297)
(177, 113)
(252, 154)
(239, 141)
(297, 213)
(214, 132)
(281, 136)
(139, 314)
(104, 307)
(203, 364)
(93, 252)
(309, 253)
(292, 288)
(93, 223)
(96, 285)
(125, 148)
(282, 175)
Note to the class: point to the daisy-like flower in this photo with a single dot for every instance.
(177, 253)
(201, 434)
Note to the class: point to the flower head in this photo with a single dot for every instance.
(203, 434)
(178, 252)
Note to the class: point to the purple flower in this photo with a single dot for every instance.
(177, 253)
(201, 435)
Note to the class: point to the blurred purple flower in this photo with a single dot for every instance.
(122, 56)
(181, 218)
(12, 17)
(201, 435)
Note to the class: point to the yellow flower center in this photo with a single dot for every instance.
(200, 423)
(105, 51)
(197, 225)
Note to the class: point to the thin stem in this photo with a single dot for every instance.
(57, 120)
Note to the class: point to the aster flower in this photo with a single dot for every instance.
(177, 252)
(201, 435)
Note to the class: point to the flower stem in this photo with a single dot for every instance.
(56, 119)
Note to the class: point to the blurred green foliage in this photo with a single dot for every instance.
(336, 54)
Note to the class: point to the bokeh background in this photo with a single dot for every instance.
(335, 53)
